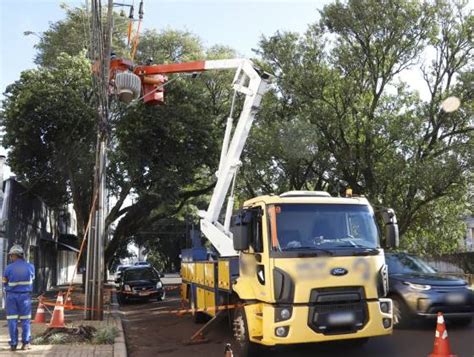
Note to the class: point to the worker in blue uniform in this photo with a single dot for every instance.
(18, 283)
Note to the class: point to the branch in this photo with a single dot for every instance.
(116, 212)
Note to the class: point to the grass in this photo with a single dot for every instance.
(58, 339)
(105, 335)
(39, 340)
(82, 334)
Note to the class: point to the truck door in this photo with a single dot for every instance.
(253, 264)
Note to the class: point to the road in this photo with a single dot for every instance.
(152, 332)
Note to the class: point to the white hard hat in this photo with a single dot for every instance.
(16, 249)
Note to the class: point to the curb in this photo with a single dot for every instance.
(120, 346)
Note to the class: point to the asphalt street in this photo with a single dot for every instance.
(151, 332)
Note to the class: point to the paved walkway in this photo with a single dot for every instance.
(72, 318)
(55, 350)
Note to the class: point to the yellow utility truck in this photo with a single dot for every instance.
(298, 267)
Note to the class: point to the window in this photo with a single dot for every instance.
(322, 226)
(256, 240)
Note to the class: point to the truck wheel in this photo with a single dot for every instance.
(245, 348)
(400, 312)
(198, 317)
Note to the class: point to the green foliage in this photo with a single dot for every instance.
(341, 114)
(105, 335)
(49, 125)
(169, 46)
(72, 36)
(58, 339)
(168, 152)
(437, 228)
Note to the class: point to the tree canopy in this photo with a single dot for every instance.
(341, 113)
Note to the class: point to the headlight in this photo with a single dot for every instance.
(159, 285)
(127, 288)
(417, 286)
(283, 313)
(385, 307)
(470, 287)
(382, 281)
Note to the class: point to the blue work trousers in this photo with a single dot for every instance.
(18, 307)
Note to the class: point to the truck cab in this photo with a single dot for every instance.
(311, 269)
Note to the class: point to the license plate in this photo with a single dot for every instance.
(143, 293)
(455, 298)
(341, 318)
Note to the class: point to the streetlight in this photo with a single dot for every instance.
(450, 104)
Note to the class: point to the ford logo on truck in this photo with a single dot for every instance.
(338, 271)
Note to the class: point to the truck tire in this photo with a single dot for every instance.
(245, 348)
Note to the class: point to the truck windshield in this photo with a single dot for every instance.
(322, 226)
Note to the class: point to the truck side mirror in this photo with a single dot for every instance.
(391, 228)
(242, 229)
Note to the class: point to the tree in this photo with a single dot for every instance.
(162, 156)
(72, 36)
(50, 132)
(341, 114)
(168, 153)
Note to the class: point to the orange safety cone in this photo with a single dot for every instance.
(40, 317)
(68, 305)
(441, 344)
(57, 320)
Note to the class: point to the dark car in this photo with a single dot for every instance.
(140, 282)
(417, 290)
(145, 264)
(120, 270)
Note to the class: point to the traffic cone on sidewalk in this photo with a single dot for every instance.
(40, 317)
(68, 305)
(441, 344)
(57, 320)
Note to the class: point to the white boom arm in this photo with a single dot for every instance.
(253, 85)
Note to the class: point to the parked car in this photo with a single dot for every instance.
(419, 291)
(146, 264)
(140, 282)
(120, 270)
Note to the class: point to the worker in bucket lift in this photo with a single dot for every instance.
(18, 283)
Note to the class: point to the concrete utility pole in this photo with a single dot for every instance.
(101, 43)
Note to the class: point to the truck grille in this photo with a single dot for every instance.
(337, 310)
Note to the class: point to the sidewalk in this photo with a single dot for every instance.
(72, 318)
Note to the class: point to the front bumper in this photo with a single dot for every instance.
(455, 303)
(300, 328)
(149, 294)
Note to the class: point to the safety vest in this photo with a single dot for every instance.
(18, 277)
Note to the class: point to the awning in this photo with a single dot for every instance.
(68, 241)
(74, 249)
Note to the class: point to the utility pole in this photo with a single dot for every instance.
(101, 43)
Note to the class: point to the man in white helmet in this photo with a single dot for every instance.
(18, 283)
